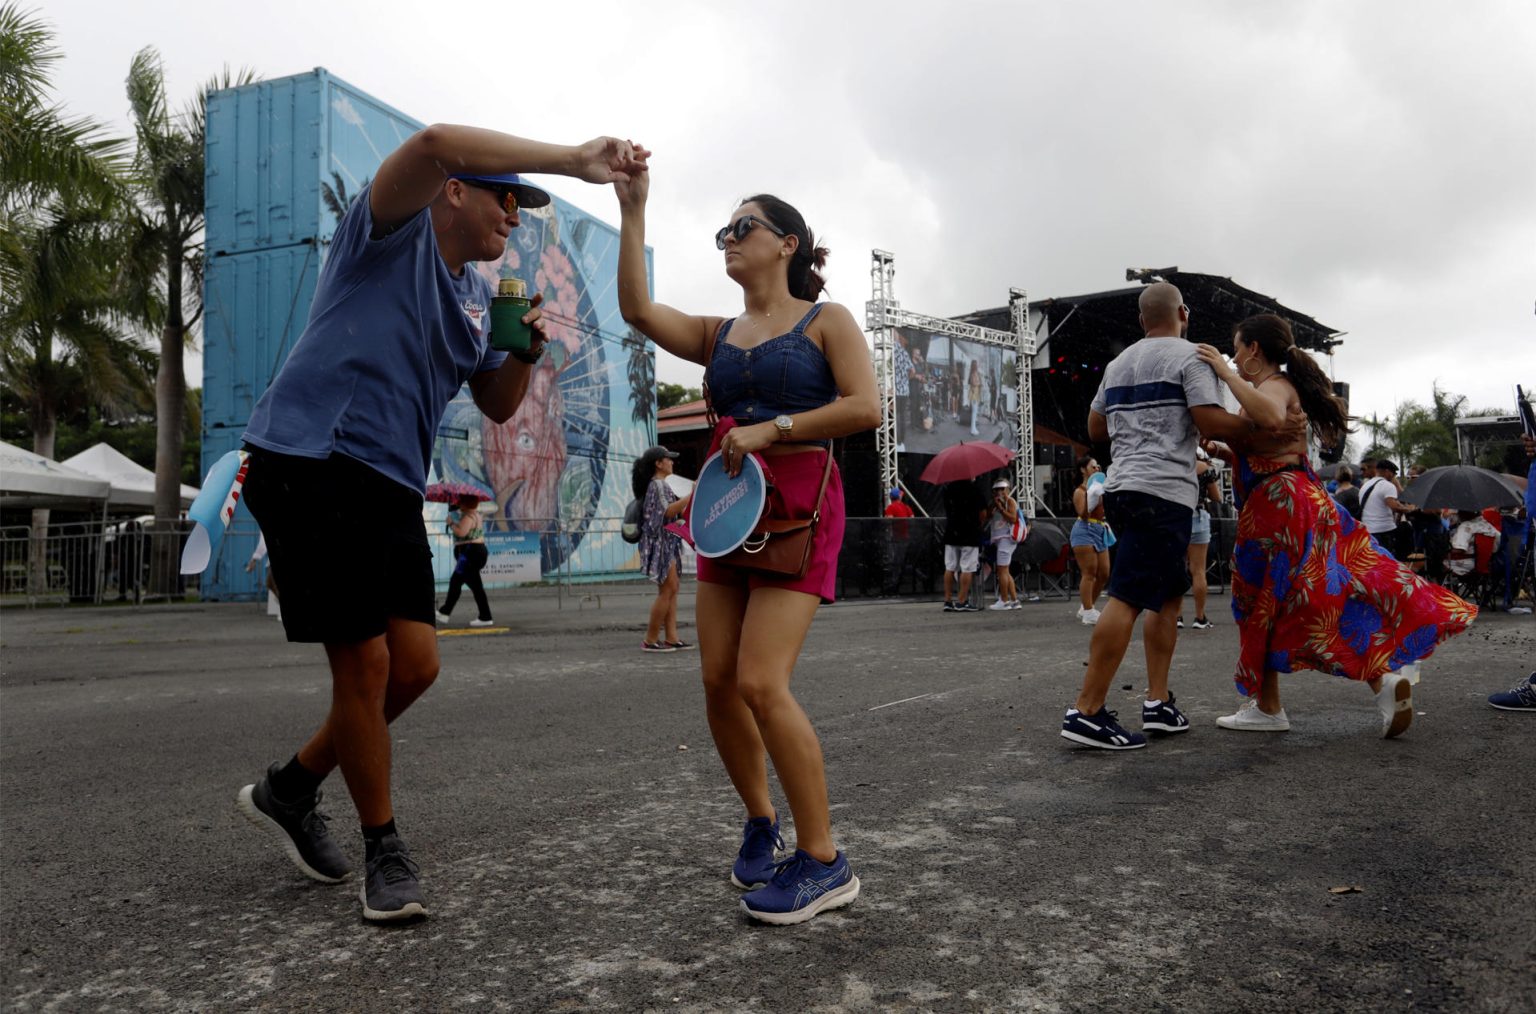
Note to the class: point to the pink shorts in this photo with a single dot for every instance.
(797, 478)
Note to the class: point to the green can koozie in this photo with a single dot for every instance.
(508, 307)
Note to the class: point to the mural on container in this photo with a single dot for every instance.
(559, 468)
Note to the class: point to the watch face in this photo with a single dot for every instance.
(784, 422)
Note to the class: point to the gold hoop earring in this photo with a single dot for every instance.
(1257, 369)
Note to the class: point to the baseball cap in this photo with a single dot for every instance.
(1385, 465)
(896, 494)
(528, 195)
(655, 454)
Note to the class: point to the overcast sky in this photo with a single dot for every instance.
(1370, 163)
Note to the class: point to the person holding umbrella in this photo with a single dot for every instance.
(469, 557)
(398, 324)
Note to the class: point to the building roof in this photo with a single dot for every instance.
(690, 415)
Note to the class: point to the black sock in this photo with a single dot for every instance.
(294, 781)
(373, 835)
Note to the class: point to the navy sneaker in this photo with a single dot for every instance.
(949, 606)
(392, 889)
(966, 608)
(759, 854)
(1520, 697)
(1100, 730)
(1201, 623)
(802, 887)
(1163, 717)
(300, 826)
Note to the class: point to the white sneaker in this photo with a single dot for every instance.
(999, 605)
(1395, 702)
(442, 617)
(1090, 617)
(1015, 604)
(481, 623)
(1250, 718)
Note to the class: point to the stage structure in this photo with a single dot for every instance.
(884, 317)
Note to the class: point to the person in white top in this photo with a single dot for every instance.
(1004, 512)
(1379, 508)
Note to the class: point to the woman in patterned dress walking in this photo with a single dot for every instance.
(660, 550)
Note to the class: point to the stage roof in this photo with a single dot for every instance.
(1078, 335)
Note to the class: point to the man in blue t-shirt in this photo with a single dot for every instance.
(1156, 401)
(340, 445)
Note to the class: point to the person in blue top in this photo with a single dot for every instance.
(785, 376)
(340, 444)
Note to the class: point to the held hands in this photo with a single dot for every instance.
(742, 441)
(608, 160)
(633, 190)
(1210, 356)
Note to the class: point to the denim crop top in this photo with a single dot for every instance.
(784, 375)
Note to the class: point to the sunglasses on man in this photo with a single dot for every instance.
(741, 227)
(508, 198)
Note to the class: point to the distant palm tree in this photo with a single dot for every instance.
(168, 221)
(62, 333)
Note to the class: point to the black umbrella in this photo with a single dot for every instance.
(1044, 541)
(1460, 487)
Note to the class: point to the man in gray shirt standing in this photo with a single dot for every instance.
(1156, 401)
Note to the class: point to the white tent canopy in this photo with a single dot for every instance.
(31, 480)
(132, 484)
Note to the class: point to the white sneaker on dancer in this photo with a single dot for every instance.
(1395, 702)
(1090, 617)
(999, 604)
(1251, 718)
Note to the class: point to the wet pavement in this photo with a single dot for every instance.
(575, 829)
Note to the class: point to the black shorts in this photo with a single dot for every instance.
(1151, 548)
(346, 546)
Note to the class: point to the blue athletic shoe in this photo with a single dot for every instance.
(1100, 730)
(801, 887)
(1163, 717)
(1520, 697)
(760, 845)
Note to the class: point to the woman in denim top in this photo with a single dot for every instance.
(776, 372)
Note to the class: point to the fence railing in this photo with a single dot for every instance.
(137, 560)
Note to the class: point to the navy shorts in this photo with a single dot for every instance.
(347, 546)
(1151, 558)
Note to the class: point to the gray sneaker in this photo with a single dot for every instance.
(392, 890)
(305, 837)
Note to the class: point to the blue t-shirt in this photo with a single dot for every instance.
(392, 336)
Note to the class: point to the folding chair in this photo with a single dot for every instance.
(1056, 575)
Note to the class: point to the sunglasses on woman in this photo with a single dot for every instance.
(508, 198)
(741, 227)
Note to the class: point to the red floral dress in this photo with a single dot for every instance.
(1312, 590)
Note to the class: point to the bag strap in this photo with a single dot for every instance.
(826, 474)
(710, 415)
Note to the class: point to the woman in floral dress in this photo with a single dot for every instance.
(1310, 588)
(660, 549)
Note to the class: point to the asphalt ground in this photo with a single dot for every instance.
(575, 829)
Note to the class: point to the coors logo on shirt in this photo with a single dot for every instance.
(475, 311)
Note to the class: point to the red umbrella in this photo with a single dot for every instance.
(451, 492)
(966, 460)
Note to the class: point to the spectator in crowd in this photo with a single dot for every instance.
(1379, 510)
(965, 511)
(898, 540)
(661, 550)
(1522, 696)
(1090, 539)
(1462, 557)
(1003, 514)
(1200, 537)
(1347, 494)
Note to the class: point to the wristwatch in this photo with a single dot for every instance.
(531, 356)
(785, 425)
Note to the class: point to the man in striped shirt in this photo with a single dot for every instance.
(1156, 401)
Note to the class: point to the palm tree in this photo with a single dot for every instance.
(62, 337)
(168, 220)
(44, 151)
